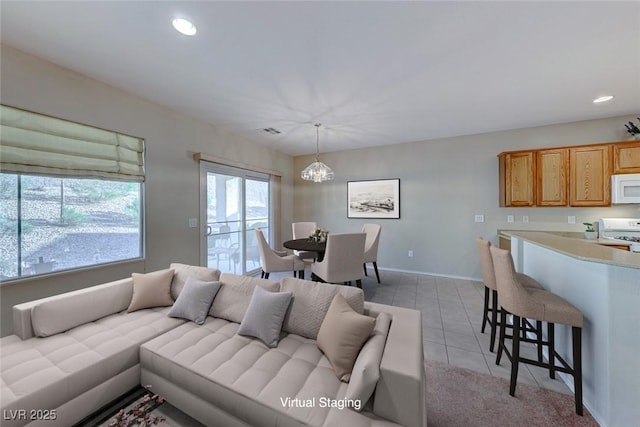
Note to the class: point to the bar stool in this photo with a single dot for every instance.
(489, 280)
(541, 305)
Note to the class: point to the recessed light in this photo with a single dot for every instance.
(183, 26)
(603, 99)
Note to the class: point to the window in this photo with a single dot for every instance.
(70, 195)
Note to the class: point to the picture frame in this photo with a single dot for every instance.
(373, 199)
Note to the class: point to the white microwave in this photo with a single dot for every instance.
(625, 188)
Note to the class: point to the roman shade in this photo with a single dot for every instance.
(33, 143)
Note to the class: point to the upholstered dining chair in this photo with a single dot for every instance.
(491, 289)
(302, 230)
(371, 247)
(541, 305)
(343, 258)
(273, 261)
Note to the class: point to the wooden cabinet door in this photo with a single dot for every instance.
(626, 157)
(590, 182)
(552, 167)
(517, 172)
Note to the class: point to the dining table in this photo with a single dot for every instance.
(307, 245)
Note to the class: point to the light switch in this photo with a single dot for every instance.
(193, 222)
(525, 218)
(479, 218)
(510, 219)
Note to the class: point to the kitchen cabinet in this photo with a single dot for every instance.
(517, 178)
(552, 167)
(590, 175)
(626, 157)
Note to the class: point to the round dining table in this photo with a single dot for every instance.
(307, 245)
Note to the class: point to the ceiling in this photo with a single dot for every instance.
(373, 73)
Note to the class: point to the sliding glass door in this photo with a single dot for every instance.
(234, 203)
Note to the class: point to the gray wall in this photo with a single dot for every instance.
(443, 184)
(172, 186)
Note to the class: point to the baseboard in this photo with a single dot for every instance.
(426, 273)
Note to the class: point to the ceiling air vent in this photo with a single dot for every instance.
(272, 131)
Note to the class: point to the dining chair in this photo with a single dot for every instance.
(371, 247)
(273, 261)
(343, 259)
(303, 230)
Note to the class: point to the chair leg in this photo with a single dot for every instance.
(577, 367)
(494, 318)
(294, 273)
(485, 311)
(515, 355)
(300, 274)
(266, 275)
(375, 267)
(503, 322)
(262, 274)
(552, 350)
(359, 283)
(364, 267)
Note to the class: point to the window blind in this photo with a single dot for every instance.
(33, 143)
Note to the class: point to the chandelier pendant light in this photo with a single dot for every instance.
(317, 171)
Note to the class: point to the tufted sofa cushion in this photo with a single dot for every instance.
(248, 380)
(45, 373)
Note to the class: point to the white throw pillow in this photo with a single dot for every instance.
(151, 290)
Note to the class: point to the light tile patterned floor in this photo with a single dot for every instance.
(451, 319)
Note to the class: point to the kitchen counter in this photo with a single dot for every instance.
(576, 246)
(604, 284)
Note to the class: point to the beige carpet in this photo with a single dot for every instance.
(460, 397)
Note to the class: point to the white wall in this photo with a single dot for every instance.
(443, 184)
(172, 184)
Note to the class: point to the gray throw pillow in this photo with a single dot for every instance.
(264, 316)
(195, 300)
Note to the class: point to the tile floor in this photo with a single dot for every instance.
(451, 319)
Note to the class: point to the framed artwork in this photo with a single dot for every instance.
(373, 199)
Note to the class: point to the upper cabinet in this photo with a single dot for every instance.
(590, 182)
(552, 167)
(565, 176)
(517, 172)
(626, 157)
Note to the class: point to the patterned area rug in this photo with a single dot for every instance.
(461, 397)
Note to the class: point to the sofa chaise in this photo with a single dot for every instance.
(73, 353)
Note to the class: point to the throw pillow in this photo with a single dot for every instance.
(183, 271)
(235, 295)
(366, 371)
(195, 300)
(151, 290)
(342, 334)
(311, 300)
(264, 316)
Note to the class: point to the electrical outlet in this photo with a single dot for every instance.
(479, 218)
(410, 253)
(571, 219)
(525, 219)
(193, 222)
(510, 219)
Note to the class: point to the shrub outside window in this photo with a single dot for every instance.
(66, 223)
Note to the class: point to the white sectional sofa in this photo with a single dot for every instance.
(73, 353)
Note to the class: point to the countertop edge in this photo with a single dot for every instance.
(582, 249)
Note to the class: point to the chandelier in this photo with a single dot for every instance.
(317, 171)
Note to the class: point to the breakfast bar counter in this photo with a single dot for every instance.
(603, 283)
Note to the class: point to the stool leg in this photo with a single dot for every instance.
(485, 311)
(539, 339)
(503, 322)
(552, 350)
(494, 318)
(577, 367)
(515, 354)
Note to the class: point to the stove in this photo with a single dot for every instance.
(624, 230)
